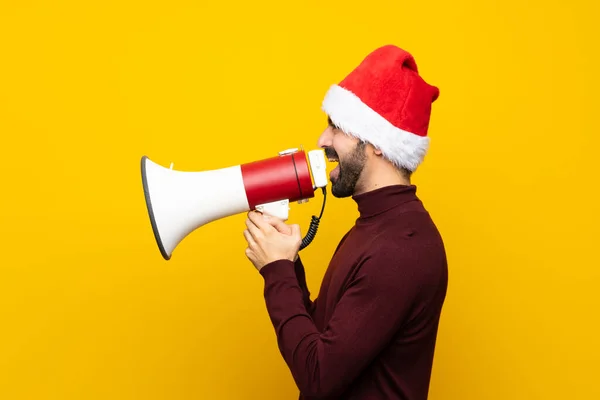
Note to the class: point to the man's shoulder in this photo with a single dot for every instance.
(410, 245)
(409, 227)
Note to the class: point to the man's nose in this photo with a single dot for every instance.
(325, 139)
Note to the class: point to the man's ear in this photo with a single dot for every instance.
(374, 150)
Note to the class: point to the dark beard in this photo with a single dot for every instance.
(350, 170)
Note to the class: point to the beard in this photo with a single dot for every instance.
(350, 169)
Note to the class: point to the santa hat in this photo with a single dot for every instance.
(385, 102)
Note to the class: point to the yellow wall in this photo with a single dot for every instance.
(88, 308)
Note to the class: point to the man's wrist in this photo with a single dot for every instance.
(277, 267)
(271, 261)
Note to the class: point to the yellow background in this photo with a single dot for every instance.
(88, 308)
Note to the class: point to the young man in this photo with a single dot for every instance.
(371, 331)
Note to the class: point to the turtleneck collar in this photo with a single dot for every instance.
(383, 199)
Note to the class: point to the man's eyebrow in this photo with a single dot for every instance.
(330, 122)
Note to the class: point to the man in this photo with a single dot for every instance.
(371, 331)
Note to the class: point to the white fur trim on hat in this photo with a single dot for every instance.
(350, 114)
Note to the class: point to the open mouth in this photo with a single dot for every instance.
(331, 155)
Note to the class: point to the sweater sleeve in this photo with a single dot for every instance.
(301, 277)
(373, 307)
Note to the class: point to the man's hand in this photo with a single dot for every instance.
(270, 239)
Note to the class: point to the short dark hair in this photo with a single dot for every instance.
(405, 172)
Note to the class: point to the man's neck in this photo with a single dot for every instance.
(379, 178)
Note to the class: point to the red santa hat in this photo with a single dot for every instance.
(385, 102)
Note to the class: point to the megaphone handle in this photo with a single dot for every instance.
(279, 209)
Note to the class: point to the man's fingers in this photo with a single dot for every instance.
(258, 220)
(250, 255)
(295, 229)
(296, 232)
(253, 229)
(249, 238)
(278, 224)
(275, 222)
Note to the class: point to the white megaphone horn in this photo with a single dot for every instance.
(178, 202)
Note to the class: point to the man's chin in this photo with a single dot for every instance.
(339, 192)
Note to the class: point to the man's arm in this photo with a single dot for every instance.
(374, 306)
(301, 277)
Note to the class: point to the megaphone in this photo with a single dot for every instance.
(179, 202)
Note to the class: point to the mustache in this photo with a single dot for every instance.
(330, 153)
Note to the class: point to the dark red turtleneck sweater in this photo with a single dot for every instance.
(371, 332)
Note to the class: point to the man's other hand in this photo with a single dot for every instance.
(270, 239)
